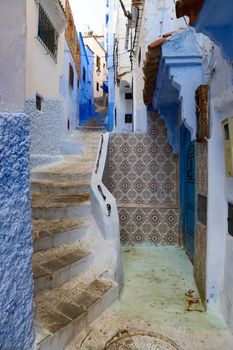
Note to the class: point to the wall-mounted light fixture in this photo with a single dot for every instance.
(98, 71)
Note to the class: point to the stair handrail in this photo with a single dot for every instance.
(103, 204)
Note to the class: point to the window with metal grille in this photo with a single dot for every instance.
(47, 33)
(84, 74)
(98, 62)
(71, 76)
(38, 102)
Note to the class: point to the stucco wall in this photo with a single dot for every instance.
(158, 18)
(86, 100)
(143, 177)
(98, 51)
(71, 96)
(45, 79)
(16, 283)
(48, 130)
(13, 55)
(220, 188)
(122, 105)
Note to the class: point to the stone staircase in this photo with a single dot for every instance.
(71, 261)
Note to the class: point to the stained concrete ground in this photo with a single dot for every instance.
(152, 310)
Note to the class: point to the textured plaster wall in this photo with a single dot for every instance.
(13, 55)
(86, 101)
(71, 96)
(111, 29)
(97, 50)
(143, 177)
(219, 292)
(48, 130)
(158, 18)
(16, 283)
(45, 79)
(123, 106)
(220, 244)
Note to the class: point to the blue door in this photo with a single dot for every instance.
(187, 183)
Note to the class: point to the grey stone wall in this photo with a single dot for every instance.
(16, 282)
(48, 130)
(143, 177)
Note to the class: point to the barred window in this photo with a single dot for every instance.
(47, 33)
(71, 76)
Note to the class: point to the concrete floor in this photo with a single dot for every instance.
(153, 301)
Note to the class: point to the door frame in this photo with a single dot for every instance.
(185, 143)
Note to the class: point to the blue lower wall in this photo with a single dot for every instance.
(16, 282)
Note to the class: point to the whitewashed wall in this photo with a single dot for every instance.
(13, 55)
(158, 18)
(220, 188)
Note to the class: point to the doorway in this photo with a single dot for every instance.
(188, 190)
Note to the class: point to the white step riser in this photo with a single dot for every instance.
(82, 211)
(63, 337)
(59, 239)
(59, 190)
(62, 177)
(64, 275)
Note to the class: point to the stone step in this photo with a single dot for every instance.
(53, 267)
(73, 169)
(63, 312)
(93, 127)
(68, 187)
(48, 234)
(60, 206)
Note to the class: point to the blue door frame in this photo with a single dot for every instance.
(187, 189)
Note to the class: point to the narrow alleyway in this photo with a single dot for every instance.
(152, 310)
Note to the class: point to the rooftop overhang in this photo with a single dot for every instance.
(178, 74)
(189, 8)
(150, 68)
(212, 18)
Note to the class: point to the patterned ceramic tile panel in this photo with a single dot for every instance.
(143, 171)
(148, 225)
(201, 230)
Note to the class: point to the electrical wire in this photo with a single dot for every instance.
(195, 34)
(120, 54)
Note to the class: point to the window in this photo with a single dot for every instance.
(98, 62)
(47, 33)
(38, 102)
(97, 87)
(128, 96)
(139, 57)
(71, 76)
(84, 74)
(128, 118)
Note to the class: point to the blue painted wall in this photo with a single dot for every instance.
(70, 95)
(16, 282)
(86, 101)
(215, 21)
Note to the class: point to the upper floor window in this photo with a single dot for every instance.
(47, 33)
(71, 76)
(98, 62)
(84, 74)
